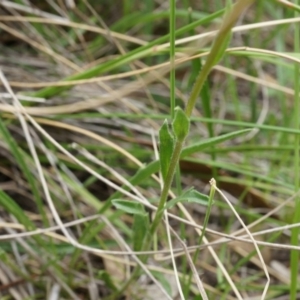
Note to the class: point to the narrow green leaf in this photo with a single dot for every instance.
(181, 124)
(196, 197)
(223, 48)
(166, 142)
(110, 65)
(191, 196)
(129, 207)
(223, 45)
(140, 230)
(21, 159)
(87, 196)
(13, 208)
(211, 142)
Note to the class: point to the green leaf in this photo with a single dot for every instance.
(129, 207)
(166, 142)
(211, 142)
(13, 208)
(181, 124)
(21, 159)
(140, 230)
(153, 167)
(222, 49)
(225, 42)
(191, 196)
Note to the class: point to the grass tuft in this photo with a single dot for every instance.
(91, 207)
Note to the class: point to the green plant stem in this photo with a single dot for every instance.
(166, 187)
(219, 42)
(215, 52)
(158, 215)
(172, 55)
(173, 74)
(212, 58)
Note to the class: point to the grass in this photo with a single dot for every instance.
(88, 168)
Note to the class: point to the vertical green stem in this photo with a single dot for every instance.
(166, 187)
(215, 54)
(296, 231)
(172, 55)
(173, 73)
(216, 51)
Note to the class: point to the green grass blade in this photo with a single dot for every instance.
(122, 60)
(21, 159)
(172, 28)
(13, 208)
